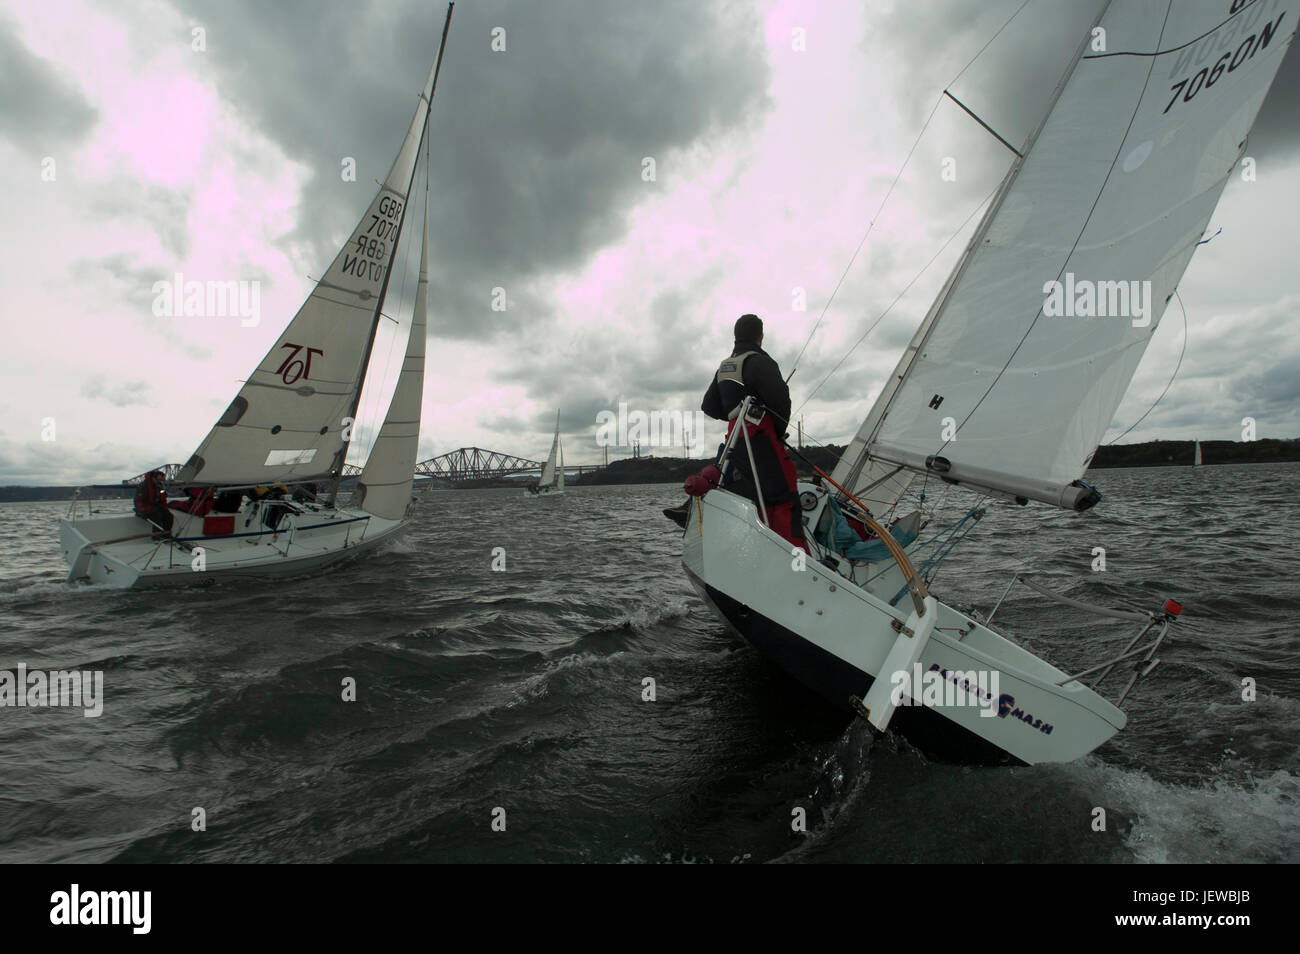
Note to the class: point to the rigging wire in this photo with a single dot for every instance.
(897, 298)
(890, 191)
(870, 226)
(922, 499)
(1178, 365)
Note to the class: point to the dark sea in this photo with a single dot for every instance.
(517, 695)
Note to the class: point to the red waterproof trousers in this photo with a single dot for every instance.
(776, 478)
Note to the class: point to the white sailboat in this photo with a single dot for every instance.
(290, 425)
(1115, 183)
(1196, 462)
(551, 481)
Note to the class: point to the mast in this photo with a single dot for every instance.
(427, 96)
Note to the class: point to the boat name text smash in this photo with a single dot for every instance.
(36, 690)
(371, 254)
(1007, 707)
(940, 687)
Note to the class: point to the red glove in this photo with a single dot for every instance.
(697, 485)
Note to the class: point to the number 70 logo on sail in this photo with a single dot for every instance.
(295, 366)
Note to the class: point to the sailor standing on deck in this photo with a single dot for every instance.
(151, 503)
(751, 371)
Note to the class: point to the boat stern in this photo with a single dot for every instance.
(81, 542)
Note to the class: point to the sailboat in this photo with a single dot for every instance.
(1196, 462)
(551, 481)
(1115, 182)
(263, 485)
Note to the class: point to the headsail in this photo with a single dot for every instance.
(384, 488)
(290, 419)
(548, 469)
(559, 474)
(1017, 371)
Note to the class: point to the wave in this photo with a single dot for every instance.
(1218, 821)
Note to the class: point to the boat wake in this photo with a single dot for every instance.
(17, 591)
(1218, 821)
(841, 782)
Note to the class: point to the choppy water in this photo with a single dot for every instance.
(522, 690)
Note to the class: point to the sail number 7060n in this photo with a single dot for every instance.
(1207, 76)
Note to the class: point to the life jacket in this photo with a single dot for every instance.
(147, 496)
(731, 382)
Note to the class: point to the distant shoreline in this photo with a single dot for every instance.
(667, 470)
(658, 470)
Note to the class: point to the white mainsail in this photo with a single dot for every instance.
(384, 488)
(1017, 371)
(548, 469)
(290, 420)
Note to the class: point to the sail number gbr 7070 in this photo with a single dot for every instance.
(1207, 76)
(368, 258)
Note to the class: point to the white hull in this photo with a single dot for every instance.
(117, 550)
(835, 637)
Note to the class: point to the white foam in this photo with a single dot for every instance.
(59, 589)
(537, 685)
(656, 612)
(1218, 821)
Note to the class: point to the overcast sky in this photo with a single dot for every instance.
(130, 156)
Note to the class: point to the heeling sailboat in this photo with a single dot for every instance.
(551, 481)
(1115, 184)
(290, 425)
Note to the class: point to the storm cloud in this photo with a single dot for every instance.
(40, 108)
(536, 149)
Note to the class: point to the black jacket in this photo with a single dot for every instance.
(762, 380)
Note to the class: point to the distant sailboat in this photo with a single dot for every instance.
(1197, 461)
(1115, 183)
(551, 482)
(290, 426)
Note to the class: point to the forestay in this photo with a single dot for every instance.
(1017, 372)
